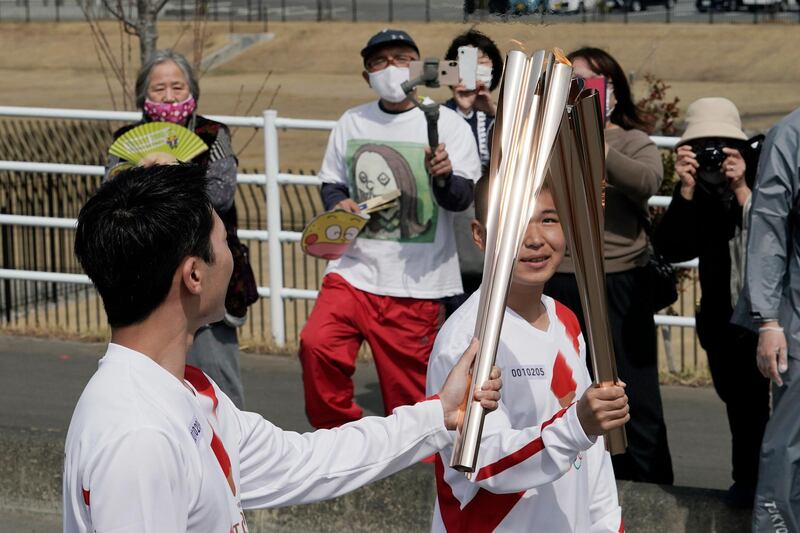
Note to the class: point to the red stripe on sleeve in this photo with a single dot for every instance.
(85, 496)
(201, 383)
(524, 453)
(481, 515)
(621, 525)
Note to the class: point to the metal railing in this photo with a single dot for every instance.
(274, 234)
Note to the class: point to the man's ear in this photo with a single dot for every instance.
(478, 234)
(192, 274)
(365, 75)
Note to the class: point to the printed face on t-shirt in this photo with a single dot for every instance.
(375, 169)
(542, 246)
(374, 177)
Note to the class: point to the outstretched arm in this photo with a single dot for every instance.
(284, 468)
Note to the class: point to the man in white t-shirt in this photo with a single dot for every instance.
(154, 445)
(386, 288)
(542, 464)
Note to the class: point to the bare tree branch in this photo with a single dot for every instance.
(119, 14)
(180, 36)
(255, 131)
(159, 6)
(258, 93)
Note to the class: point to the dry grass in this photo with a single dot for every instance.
(317, 66)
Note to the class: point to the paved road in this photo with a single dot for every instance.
(40, 381)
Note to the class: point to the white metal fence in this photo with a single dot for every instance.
(274, 235)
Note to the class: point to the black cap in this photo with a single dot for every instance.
(387, 36)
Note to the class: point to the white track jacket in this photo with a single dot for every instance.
(148, 453)
(537, 469)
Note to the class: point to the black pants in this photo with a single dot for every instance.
(732, 361)
(471, 282)
(633, 330)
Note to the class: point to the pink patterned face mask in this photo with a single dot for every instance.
(176, 112)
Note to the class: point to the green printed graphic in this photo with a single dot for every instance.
(376, 168)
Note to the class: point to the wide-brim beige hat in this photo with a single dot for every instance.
(712, 117)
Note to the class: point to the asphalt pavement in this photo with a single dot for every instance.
(41, 380)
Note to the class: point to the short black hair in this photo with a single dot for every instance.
(482, 199)
(482, 42)
(134, 232)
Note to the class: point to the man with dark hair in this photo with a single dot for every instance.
(156, 446)
(386, 288)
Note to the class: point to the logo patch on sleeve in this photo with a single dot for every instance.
(529, 372)
(195, 429)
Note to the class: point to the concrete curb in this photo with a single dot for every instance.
(32, 462)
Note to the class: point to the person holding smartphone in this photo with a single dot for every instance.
(709, 209)
(386, 288)
(478, 109)
(633, 174)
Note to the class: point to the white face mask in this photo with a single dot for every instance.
(387, 82)
(609, 99)
(484, 74)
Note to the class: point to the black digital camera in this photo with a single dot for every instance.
(710, 157)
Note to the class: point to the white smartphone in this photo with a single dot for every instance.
(468, 66)
(448, 71)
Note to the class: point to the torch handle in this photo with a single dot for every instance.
(616, 439)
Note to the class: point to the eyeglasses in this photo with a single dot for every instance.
(381, 62)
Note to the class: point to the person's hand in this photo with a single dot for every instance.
(158, 158)
(464, 99)
(603, 408)
(686, 168)
(772, 352)
(456, 387)
(479, 99)
(348, 204)
(438, 164)
(734, 168)
(483, 100)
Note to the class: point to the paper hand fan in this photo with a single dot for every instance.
(152, 137)
(329, 235)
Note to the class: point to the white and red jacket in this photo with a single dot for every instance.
(146, 452)
(537, 470)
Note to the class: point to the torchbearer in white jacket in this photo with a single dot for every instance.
(153, 444)
(542, 464)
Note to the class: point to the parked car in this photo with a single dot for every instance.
(641, 5)
(703, 6)
(508, 7)
(578, 6)
(500, 7)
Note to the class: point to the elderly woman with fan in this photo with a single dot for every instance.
(171, 132)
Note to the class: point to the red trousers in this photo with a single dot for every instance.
(400, 332)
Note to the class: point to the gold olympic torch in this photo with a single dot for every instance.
(532, 102)
(578, 174)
